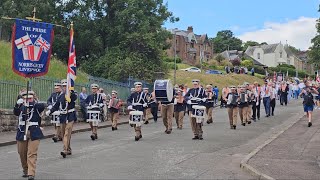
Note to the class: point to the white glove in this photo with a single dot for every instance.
(204, 99)
(48, 113)
(50, 107)
(145, 105)
(20, 101)
(129, 107)
(189, 102)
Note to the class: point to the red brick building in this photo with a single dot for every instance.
(190, 47)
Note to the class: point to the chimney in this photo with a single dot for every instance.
(190, 29)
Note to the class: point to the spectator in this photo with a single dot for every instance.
(216, 90)
(252, 71)
(83, 96)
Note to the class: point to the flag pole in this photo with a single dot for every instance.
(69, 88)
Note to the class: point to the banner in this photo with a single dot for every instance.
(31, 47)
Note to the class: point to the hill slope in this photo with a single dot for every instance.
(57, 70)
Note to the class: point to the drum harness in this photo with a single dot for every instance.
(137, 103)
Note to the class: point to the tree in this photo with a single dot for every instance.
(247, 63)
(219, 58)
(314, 53)
(236, 62)
(249, 43)
(225, 40)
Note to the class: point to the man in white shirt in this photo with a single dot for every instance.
(273, 96)
(265, 94)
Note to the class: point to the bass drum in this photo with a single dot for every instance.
(163, 90)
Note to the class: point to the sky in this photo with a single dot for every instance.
(271, 21)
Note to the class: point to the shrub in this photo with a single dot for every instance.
(170, 65)
(213, 63)
(236, 62)
(286, 66)
(219, 58)
(247, 63)
(170, 59)
(225, 63)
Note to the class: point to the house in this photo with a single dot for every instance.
(232, 54)
(189, 46)
(270, 55)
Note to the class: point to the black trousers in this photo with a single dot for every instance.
(284, 98)
(154, 112)
(272, 105)
(255, 111)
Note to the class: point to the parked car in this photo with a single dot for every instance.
(192, 69)
(213, 72)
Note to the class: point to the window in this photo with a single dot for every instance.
(258, 55)
(192, 44)
(280, 54)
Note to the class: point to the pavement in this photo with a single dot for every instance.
(294, 154)
(115, 155)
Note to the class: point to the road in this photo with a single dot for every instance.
(115, 155)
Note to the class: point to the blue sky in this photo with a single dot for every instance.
(240, 16)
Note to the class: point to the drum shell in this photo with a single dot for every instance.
(136, 117)
(163, 90)
(198, 111)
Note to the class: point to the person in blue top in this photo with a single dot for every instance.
(68, 116)
(216, 90)
(29, 112)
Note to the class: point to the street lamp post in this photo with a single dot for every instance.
(175, 58)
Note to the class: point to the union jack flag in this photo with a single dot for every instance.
(72, 65)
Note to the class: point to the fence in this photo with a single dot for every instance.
(43, 88)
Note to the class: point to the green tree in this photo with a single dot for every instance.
(247, 63)
(219, 58)
(314, 53)
(225, 40)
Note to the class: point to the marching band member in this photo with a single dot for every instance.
(243, 106)
(195, 96)
(251, 98)
(114, 105)
(67, 116)
(256, 102)
(51, 101)
(225, 92)
(153, 103)
(167, 110)
(265, 93)
(284, 89)
(210, 103)
(147, 110)
(179, 108)
(138, 102)
(94, 101)
(232, 105)
(273, 96)
(28, 138)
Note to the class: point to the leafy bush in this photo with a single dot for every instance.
(219, 58)
(286, 66)
(170, 59)
(236, 62)
(170, 65)
(213, 63)
(247, 63)
(225, 63)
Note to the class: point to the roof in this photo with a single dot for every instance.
(270, 48)
(232, 54)
(200, 38)
(255, 62)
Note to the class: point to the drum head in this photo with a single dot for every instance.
(169, 91)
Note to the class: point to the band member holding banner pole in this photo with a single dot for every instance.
(55, 118)
(29, 131)
(114, 105)
(137, 102)
(94, 104)
(196, 97)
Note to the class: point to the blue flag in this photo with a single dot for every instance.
(31, 47)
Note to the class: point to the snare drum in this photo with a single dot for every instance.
(55, 118)
(93, 115)
(199, 112)
(163, 90)
(136, 117)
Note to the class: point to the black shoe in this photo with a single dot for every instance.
(96, 136)
(249, 122)
(140, 136)
(116, 128)
(195, 138)
(59, 139)
(200, 137)
(146, 122)
(243, 124)
(92, 137)
(267, 115)
(136, 138)
(55, 139)
(30, 177)
(272, 114)
(131, 125)
(234, 127)
(168, 132)
(208, 122)
(24, 175)
(112, 128)
(69, 153)
(309, 124)
(64, 155)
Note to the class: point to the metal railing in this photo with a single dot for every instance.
(43, 87)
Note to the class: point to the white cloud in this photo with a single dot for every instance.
(297, 32)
